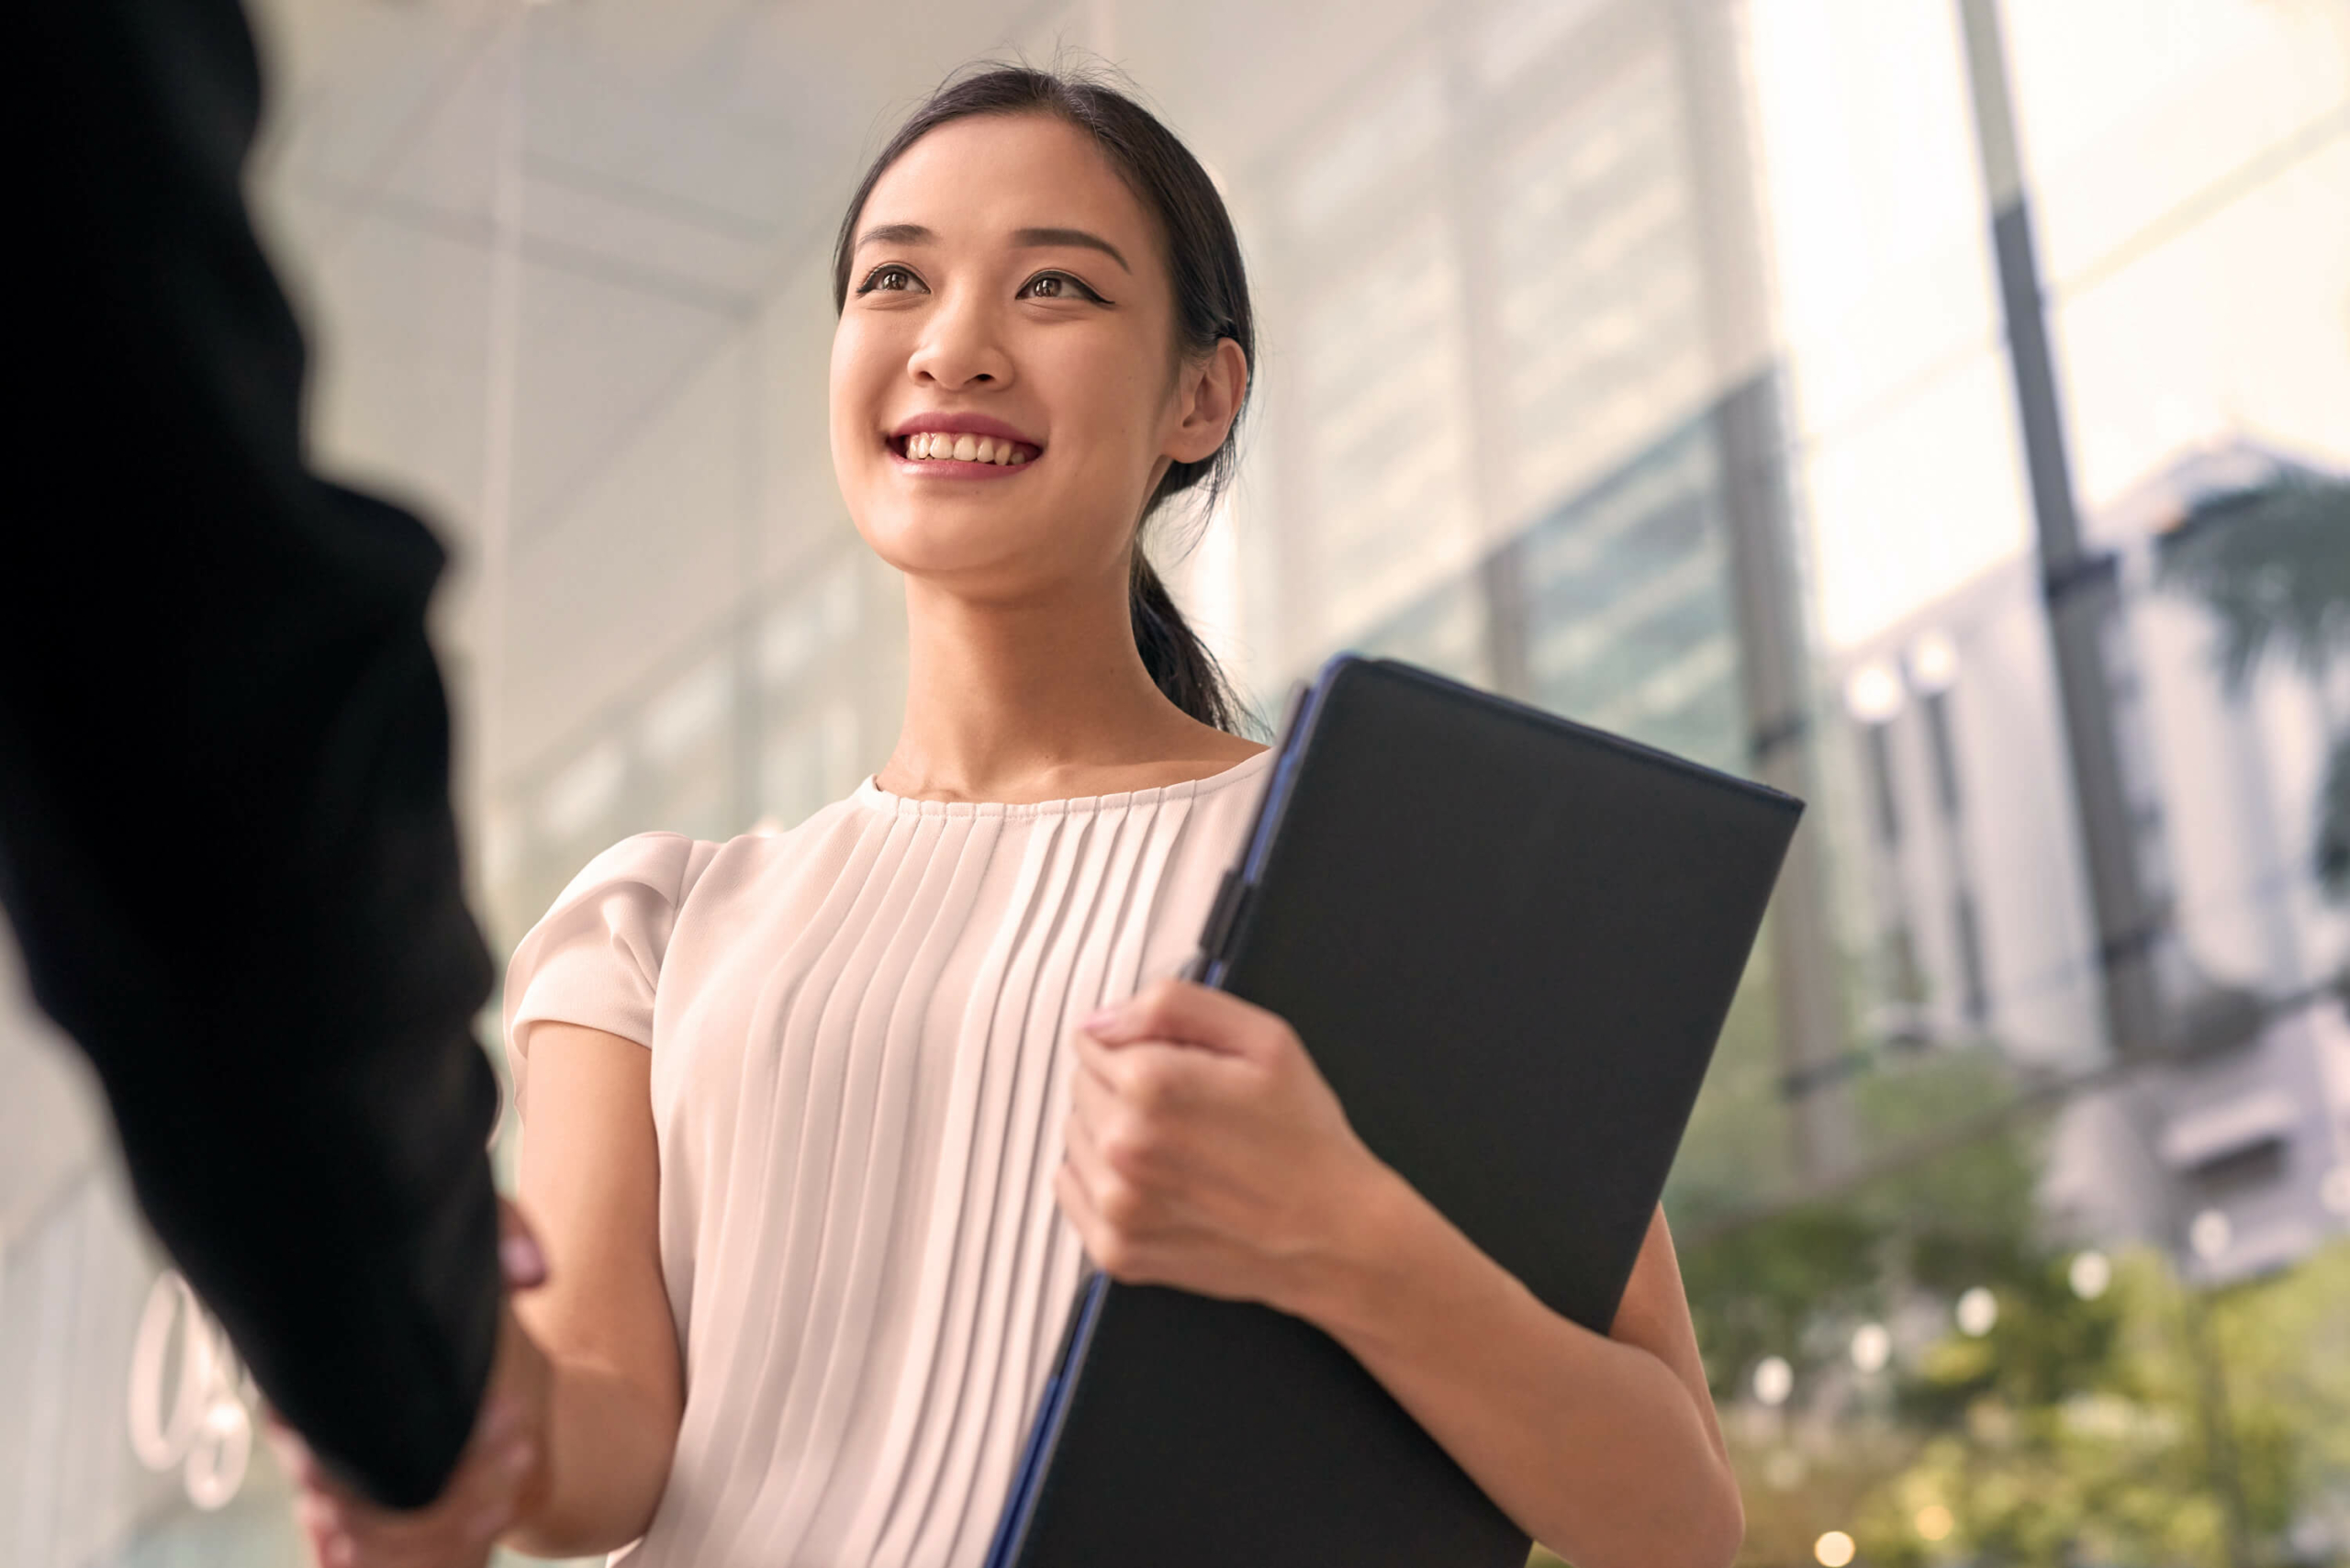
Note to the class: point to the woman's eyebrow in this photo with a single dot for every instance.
(1078, 237)
(896, 234)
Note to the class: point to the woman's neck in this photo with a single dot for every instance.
(1036, 701)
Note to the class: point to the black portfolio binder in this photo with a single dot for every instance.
(1509, 943)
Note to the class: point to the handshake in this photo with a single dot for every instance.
(502, 1478)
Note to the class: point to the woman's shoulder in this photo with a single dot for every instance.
(681, 867)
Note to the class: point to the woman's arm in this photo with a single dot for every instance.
(1603, 1448)
(590, 1184)
(1206, 1152)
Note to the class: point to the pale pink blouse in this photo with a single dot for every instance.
(859, 1033)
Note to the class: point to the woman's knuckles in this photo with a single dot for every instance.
(1116, 1256)
(1129, 1151)
(1151, 1079)
(1123, 1205)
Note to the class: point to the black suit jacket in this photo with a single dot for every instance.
(225, 834)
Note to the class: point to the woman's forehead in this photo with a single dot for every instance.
(986, 178)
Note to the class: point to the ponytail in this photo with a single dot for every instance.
(1180, 664)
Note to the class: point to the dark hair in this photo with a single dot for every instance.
(1202, 255)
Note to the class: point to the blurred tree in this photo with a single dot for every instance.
(1764, 1286)
(2076, 1438)
(2070, 1433)
(2273, 563)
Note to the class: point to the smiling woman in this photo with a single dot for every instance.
(820, 1125)
(1083, 262)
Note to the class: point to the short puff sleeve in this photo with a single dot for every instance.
(595, 958)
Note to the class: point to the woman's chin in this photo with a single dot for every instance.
(960, 541)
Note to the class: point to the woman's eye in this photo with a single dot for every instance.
(888, 280)
(1057, 285)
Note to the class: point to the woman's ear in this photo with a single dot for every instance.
(1211, 390)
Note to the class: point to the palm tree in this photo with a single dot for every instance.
(2272, 561)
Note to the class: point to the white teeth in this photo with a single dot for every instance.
(937, 446)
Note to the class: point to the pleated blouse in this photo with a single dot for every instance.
(860, 1054)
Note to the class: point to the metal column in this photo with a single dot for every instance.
(1753, 485)
(2080, 586)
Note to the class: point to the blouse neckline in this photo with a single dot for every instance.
(871, 795)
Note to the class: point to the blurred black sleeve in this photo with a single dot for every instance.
(226, 842)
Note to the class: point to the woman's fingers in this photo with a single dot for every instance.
(1188, 1014)
(1077, 1203)
(1205, 1149)
(458, 1531)
(1162, 1077)
(320, 1523)
(1114, 1249)
(294, 1456)
(1147, 1106)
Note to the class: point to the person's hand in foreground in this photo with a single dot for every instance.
(498, 1481)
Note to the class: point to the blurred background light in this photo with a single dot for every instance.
(1933, 662)
(2334, 1189)
(1873, 693)
(2211, 1233)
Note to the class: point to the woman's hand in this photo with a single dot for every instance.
(499, 1479)
(1206, 1152)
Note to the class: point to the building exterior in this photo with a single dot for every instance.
(2230, 1146)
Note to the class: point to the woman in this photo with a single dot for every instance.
(809, 1253)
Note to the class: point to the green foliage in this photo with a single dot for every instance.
(2273, 563)
(2084, 1431)
(2074, 1432)
(1755, 1292)
(1961, 1219)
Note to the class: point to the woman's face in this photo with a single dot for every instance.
(1006, 391)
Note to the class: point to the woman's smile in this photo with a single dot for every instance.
(960, 446)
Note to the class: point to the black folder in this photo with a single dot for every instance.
(1509, 942)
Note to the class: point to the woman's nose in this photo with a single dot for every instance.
(962, 346)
